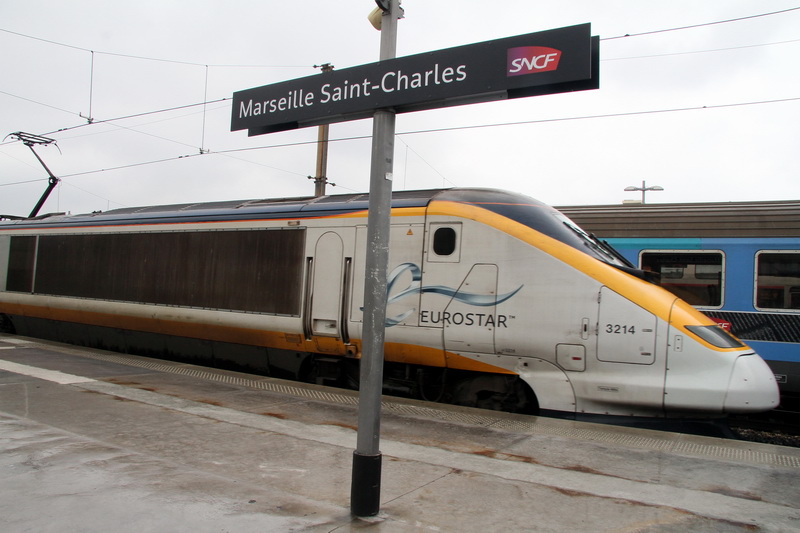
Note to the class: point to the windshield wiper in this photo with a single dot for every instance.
(613, 251)
(590, 240)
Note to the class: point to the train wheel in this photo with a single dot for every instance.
(431, 383)
(5, 325)
(498, 393)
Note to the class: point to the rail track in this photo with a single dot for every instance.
(780, 426)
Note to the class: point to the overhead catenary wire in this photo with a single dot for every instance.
(38, 103)
(205, 65)
(689, 52)
(143, 58)
(206, 102)
(444, 178)
(203, 131)
(115, 119)
(91, 120)
(429, 130)
(432, 130)
(608, 115)
(701, 25)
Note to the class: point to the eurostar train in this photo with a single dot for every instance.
(495, 300)
(737, 262)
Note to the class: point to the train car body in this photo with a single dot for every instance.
(494, 300)
(737, 262)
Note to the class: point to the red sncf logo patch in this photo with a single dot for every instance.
(531, 59)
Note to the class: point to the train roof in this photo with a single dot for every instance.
(229, 209)
(299, 207)
(517, 207)
(718, 219)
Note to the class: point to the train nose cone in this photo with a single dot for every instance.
(752, 387)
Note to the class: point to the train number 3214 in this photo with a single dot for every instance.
(620, 329)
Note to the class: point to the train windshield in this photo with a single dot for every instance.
(601, 248)
(542, 218)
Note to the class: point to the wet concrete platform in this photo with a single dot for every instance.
(94, 441)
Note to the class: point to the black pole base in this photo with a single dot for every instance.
(365, 491)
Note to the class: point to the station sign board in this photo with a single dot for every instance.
(546, 62)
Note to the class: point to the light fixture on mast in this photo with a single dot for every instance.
(643, 188)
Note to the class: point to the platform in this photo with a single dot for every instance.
(94, 441)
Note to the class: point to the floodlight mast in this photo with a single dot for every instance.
(29, 139)
(644, 188)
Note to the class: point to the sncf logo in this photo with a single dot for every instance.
(531, 59)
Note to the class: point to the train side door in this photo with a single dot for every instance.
(459, 296)
(469, 319)
(629, 364)
(329, 275)
(627, 332)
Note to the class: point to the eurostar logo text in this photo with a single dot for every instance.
(532, 59)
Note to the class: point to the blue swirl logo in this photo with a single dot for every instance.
(415, 287)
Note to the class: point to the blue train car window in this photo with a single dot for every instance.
(778, 280)
(696, 277)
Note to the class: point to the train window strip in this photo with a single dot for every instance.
(698, 277)
(777, 280)
(5, 245)
(21, 260)
(241, 270)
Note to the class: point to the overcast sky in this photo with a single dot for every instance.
(737, 84)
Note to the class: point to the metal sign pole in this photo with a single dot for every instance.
(366, 477)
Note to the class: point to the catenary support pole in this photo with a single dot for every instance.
(321, 179)
(366, 478)
(322, 161)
